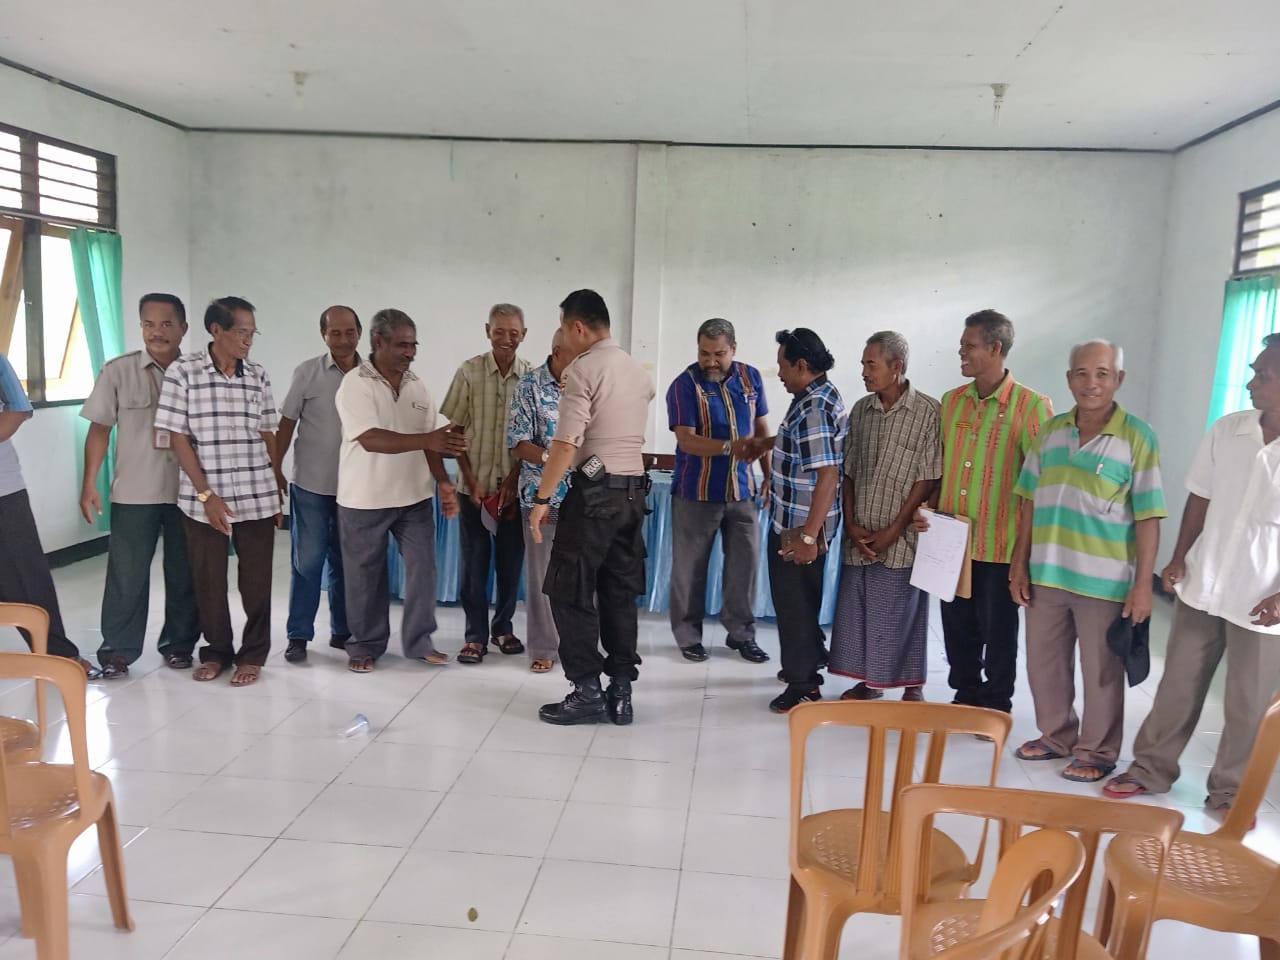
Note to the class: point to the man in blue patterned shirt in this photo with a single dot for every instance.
(807, 456)
(535, 406)
(714, 407)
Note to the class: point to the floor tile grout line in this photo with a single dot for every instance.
(688, 813)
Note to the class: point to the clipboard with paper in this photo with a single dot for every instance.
(943, 566)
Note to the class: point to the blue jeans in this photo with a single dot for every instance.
(313, 539)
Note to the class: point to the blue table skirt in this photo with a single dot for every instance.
(657, 535)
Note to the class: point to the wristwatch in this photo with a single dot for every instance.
(204, 495)
(541, 501)
(546, 454)
(727, 448)
(807, 540)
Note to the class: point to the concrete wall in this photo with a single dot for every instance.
(1199, 250)
(154, 217)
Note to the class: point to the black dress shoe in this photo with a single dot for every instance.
(178, 661)
(796, 693)
(114, 668)
(339, 641)
(697, 653)
(617, 702)
(584, 704)
(749, 650)
(296, 652)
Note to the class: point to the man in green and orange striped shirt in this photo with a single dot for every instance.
(988, 427)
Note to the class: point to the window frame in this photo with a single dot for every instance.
(1240, 253)
(33, 225)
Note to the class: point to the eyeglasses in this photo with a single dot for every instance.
(244, 336)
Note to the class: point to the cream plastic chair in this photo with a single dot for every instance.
(21, 739)
(47, 806)
(1090, 819)
(1212, 880)
(1039, 865)
(846, 861)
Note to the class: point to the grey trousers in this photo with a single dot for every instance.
(541, 638)
(1197, 642)
(1055, 620)
(694, 524)
(363, 535)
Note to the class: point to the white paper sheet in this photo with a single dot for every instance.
(941, 552)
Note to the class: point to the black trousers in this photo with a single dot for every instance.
(507, 549)
(981, 634)
(797, 603)
(24, 571)
(207, 552)
(595, 576)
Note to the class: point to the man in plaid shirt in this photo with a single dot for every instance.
(217, 412)
(807, 455)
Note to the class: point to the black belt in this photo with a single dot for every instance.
(618, 482)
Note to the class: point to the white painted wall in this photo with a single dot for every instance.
(1199, 251)
(440, 230)
(152, 167)
(850, 242)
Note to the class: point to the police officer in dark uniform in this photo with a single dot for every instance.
(597, 562)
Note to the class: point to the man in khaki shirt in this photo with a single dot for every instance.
(597, 562)
(144, 496)
(479, 401)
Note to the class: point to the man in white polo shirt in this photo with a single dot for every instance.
(385, 486)
(1226, 572)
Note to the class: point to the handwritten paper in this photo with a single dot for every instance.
(942, 556)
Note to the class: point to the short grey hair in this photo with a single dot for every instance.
(717, 327)
(1117, 352)
(893, 345)
(506, 310)
(385, 322)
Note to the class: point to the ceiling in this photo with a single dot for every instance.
(1137, 74)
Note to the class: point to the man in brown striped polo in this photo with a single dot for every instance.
(988, 426)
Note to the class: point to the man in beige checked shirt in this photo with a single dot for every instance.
(479, 401)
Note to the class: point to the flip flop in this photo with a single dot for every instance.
(1124, 779)
(245, 675)
(360, 664)
(435, 659)
(541, 665)
(209, 670)
(1103, 769)
(1046, 754)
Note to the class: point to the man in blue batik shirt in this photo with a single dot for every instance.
(530, 427)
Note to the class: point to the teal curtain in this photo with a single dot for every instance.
(1248, 315)
(96, 257)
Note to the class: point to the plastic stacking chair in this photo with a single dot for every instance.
(22, 739)
(1039, 865)
(1090, 819)
(846, 861)
(1213, 880)
(46, 806)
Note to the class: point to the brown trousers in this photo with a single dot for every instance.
(1197, 642)
(207, 553)
(1056, 619)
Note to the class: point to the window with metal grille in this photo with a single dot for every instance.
(48, 187)
(1258, 239)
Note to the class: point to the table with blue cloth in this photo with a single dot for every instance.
(657, 537)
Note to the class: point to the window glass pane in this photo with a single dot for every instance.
(66, 354)
(18, 345)
(10, 178)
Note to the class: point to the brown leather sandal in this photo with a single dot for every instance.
(472, 652)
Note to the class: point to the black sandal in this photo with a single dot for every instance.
(508, 644)
(178, 661)
(472, 652)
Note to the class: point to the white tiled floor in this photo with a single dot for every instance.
(253, 830)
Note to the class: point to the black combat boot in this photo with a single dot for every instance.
(584, 704)
(618, 701)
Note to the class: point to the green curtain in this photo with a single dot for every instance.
(1248, 315)
(96, 257)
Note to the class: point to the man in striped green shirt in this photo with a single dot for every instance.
(1088, 531)
(988, 428)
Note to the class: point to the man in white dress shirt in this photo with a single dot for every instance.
(1226, 572)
